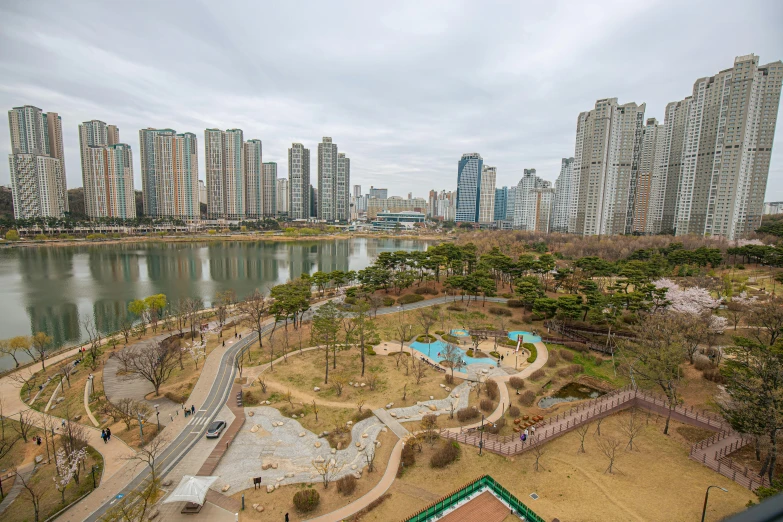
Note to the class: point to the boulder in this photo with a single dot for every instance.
(251, 413)
(225, 488)
(442, 385)
(364, 435)
(277, 486)
(334, 451)
(349, 423)
(363, 385)
(319, 459)
(38, 459)
(358, 444)
(270, 488)
(278, 479)
(384, 429)
(274, 465)
(266, 466)
(350, 383)
(377, 444)
(317, 444)
(456, 395)
(267, 403)
(302, 434)
(259, 508)
(77, 418)
(357, 475)
(389, 406)
(316, 389)
(166, 483)
(432, 398)
(339, 445)
(447, 389)
(293, 415)
(60, 399)
(433, 407)
(254, 429)
(391, 413)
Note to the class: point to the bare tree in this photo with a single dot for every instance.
(239, 362)
(581, 430)
(609, 446)
(66, 369)
(315, 410)
(452, 355)
(149, 455)
(6, 444)
(339, 382)
(598, 422)
(25, 424)
(40, 344)
(328, 470)
(632, 426)
(538, 451)
(369, 457)
(126, 327)
(34, 492)
(134, 506)
(25, 379)
(129, 410)
(429, 427)
(93, 342)
(153, 362)
(427, 318)
(262, 381)
(255, 308)
(372, 379)
(419, 370)
(360, 404)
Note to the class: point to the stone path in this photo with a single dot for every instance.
(25, 471)
(458, 397)
(391, 422)
(289, 446)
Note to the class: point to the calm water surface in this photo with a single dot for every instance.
(55, 289)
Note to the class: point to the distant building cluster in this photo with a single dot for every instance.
(702, 171)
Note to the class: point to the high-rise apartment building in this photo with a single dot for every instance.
(527, 201)
(727, 149)
(202, 192)
(544, 199)
(501, 197)
(357, 191)
(487, 195)
(608, 145)
(511, 204)
(299, 182)
(95, 134)
(255, 188)
(378, 193)
(675, 126)
(469, 171)
(564, 196)
(37, 164)
(225, 165)
(394, 204)
(327, 179)
(650, 180)
(270, 189)
(283, 193)
(169, 165)
(342, 200)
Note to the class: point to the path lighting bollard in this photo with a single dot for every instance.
(706, 496)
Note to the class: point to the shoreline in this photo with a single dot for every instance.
(202, 238)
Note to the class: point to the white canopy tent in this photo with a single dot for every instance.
(191, 489)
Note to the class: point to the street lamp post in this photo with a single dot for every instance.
(141, 428)
(706, 496)
(157, 415)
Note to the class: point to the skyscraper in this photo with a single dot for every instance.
(357, 191)
(299, 181)
(501, 196)
(487, 195)
(608, 144)
(650, 180)
(378, 193)
(283, 195)
(169, 164)
(564, 196)
(727, 149)
(270, 189)
(527, 200)
(37, 163)
(255, 195)
(675, 127)
(96, 134)
(109, 171)
(342, 200)
(224, 156)
(327, 179)
(469, 171)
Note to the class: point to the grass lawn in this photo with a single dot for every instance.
(658, 482)
(51, 500)
(277, 504)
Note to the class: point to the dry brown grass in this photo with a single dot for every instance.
(658, 482)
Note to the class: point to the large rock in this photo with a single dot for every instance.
(393, 414)
(433, 407)
(316, 389)
(302, 434)
(389, 406)
(319, 459)
(364, 435)
(225, 488)
(274, 465)
(255, 428)
(266, 466)
(270, 488)
(259, 508)
(38, 459)
(317, 444)
(251, 413)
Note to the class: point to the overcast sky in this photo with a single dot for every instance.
(403, 88)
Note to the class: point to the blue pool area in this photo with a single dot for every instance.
(438, 346)
(460, 333)
(527, 337)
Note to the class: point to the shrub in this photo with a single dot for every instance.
(702, 362)
(513, 412)
(507, 295)
(571, 369)
(526, 398)
(515, 303)
(351, 292)
(496, 426)
(409, 299)
(358, 417)
(426, 339)
(487, 405)
(566, 355)
(466, 414)
(469, 353)
(496, 310)
(492, 389)
(538, 374)
(349, 300)
(533, 352)
(346, 485)
(714, 375)
(517, 383)
(447, 453)
(388, 301)
(369, 351)
(306, 500)
(12, 235)
(579, 347)
(496, 355)
(455, 308)
(408, 456)
(553, 359)
(439, 332)
(450, 339)
(426, 290)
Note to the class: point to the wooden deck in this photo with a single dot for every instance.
(228, 435)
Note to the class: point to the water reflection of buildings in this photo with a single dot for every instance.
(113, 267)
(171, 262)
(60, 321)
(107, 314)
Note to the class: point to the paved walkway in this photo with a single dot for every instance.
(87, 392)
(25, 471)
(392, 423)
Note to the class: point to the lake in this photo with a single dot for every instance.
(55, 289)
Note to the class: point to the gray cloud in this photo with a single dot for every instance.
(404, 89)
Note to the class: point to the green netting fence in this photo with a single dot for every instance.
(485, 481)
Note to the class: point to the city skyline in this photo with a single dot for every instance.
(397, 134)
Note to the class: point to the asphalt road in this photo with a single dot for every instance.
(217, 397)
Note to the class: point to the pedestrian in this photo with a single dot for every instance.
(532, 430)
(224, 342)
(103, 436)
(192, 409)
(108, 434)
(235, 335)
(526, 432)
(502, 357)
(38, 440)
(524, 437)
(240, 336)
(63, 424)
(286, 517)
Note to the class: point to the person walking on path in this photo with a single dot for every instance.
(192, 409)
(108, 434)
(103, 436)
